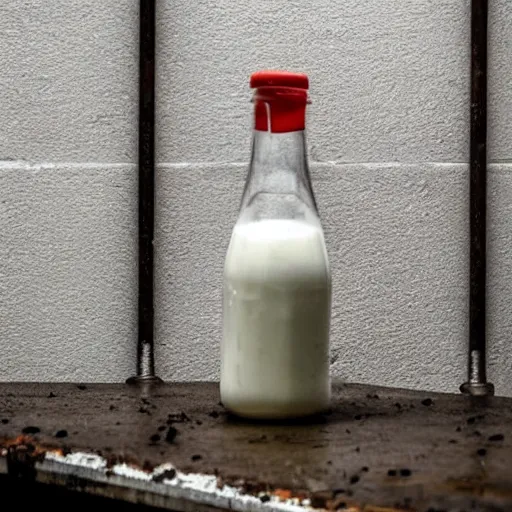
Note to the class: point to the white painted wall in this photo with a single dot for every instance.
(68, 219)
(388, 140)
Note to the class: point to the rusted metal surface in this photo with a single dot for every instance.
(378, 449)
(477, 377)
(145, 338)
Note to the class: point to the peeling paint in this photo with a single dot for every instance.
(128, 471)
(193, 487)
(201, 485)
(85, 460)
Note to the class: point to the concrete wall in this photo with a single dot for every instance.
(388, 140)
(68, 218)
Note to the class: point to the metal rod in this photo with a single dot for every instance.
(145, 341)
(477, 379)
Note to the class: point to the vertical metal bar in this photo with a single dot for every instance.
(477, 379)
(145, 341)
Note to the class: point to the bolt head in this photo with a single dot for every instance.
(144, 379)
(477, 389)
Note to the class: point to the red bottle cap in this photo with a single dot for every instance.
(280, 99)
(279, 79)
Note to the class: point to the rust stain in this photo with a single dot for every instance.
(320, 500)
(283, 494)
(324, 501)
(24, 443)
(22, 453)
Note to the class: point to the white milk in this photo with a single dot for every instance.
(277, 299)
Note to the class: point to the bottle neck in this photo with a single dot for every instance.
(279, 154)
(278, 184)
(279, 168)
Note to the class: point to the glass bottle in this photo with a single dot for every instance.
(277, 283)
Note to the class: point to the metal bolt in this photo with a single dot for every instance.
(477, 384)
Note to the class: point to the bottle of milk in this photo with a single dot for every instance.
(277, 283)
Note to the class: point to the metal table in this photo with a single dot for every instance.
(174, 446)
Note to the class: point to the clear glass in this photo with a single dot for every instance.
(278, 185)
(277, 289)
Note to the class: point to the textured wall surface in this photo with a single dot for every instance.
(389, 80)
(67, 274)
(388, 138)
(68, 247)
(68, 87)
(500, 88)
